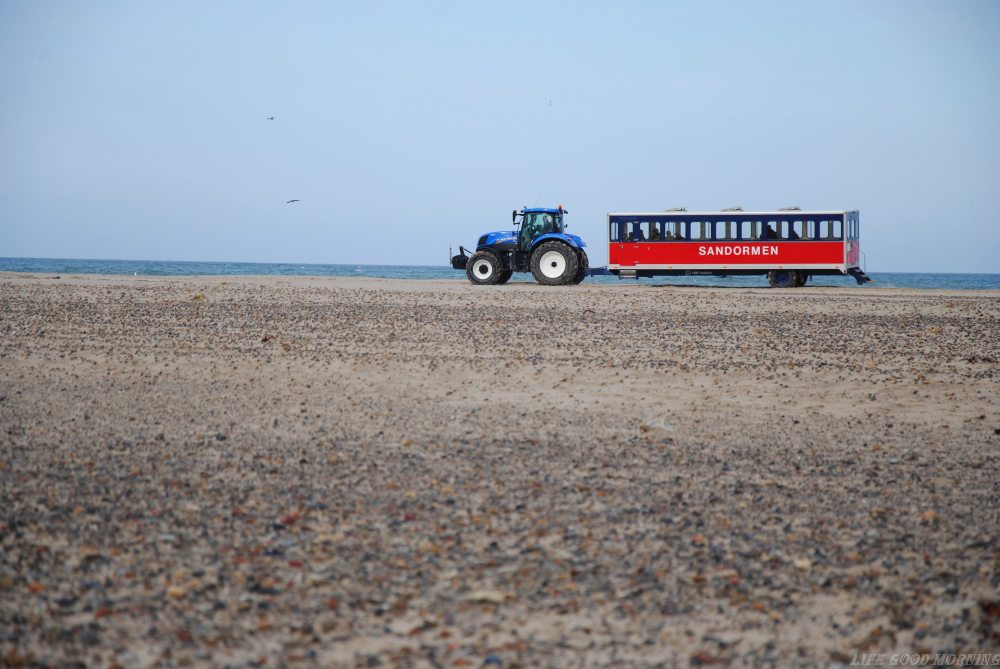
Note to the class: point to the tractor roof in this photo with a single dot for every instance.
(543, 210)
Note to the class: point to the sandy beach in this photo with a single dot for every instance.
(319, 472)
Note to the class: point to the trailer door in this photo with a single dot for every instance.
(621, 243)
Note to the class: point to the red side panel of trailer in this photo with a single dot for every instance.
(713, 255)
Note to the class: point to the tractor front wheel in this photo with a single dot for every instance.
(554, 264)
(483, 268)
(505, 275)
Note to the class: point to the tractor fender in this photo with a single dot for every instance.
(572, 240)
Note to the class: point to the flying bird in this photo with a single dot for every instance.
(291, 201)
(269, 118)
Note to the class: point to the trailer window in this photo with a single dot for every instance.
(642, 234)
(633, 232)
(726, 230)
(615, 233)
(831, 229)
(791, 230)
(697, 230)
(768, 230)
(671, 230)
(733, 228)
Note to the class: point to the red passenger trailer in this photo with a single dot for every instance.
(788, 246)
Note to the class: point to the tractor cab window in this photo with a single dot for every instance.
(537, 224)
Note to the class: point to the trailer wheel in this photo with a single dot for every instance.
(782, 278)
(800, 279)
(504, 276)
(483, 268)
(554, 264)
(584, 264)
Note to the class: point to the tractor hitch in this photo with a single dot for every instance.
(461, 260)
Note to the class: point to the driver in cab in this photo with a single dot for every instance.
(533, 228)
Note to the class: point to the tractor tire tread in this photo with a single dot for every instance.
(571, 263)
(493, 279)
(584, 265)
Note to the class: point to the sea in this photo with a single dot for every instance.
(58, 266)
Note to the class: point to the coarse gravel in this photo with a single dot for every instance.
(326, 472)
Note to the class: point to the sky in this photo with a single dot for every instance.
(138, 130)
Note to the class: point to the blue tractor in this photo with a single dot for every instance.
(538, 244)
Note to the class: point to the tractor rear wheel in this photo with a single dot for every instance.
(483, 268)
(581, 272)
(554, 264)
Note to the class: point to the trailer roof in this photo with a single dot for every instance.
(687, 214)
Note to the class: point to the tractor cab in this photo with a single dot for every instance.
(537, 222)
